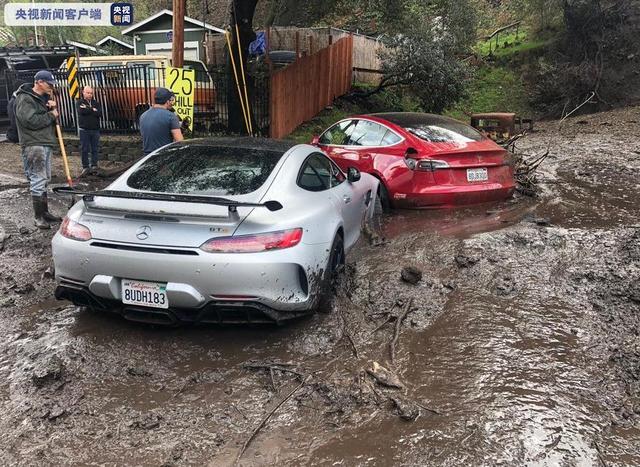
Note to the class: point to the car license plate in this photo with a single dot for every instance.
(142, 293)
(477, 175)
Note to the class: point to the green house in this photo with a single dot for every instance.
(154, 36)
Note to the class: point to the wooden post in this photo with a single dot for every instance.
(177, 46)
(297, 44)
(268, 49)
(328, 98)
(311, 44)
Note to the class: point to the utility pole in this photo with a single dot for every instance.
(177, 47)
(35, 28)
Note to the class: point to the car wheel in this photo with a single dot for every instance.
(374, 223)
(334, 265)
(336, 258)
(383, 195)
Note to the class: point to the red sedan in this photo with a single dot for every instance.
(422, 160)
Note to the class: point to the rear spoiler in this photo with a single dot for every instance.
(88, 196)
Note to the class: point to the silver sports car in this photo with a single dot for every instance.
(213, 230)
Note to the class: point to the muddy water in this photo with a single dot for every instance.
(461, 222)
(517, 348)
(506, 378)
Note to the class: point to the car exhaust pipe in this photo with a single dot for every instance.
(139, 315)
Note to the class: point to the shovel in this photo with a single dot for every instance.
(65, 161)
(64, 153)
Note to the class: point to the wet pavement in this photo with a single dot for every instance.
(519, 347)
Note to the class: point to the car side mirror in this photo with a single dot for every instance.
(353, 174)
(315, 140)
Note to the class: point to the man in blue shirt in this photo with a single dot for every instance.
(159, 126)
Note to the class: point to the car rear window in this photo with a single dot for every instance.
(444, 131)
(206, 170)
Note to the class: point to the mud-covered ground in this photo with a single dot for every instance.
(519, 345)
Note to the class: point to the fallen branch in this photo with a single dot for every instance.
(600, 456)
(388, 319)
(384, 323)
(266, 419)
(182, 388)
(345, 332)
(433, 411)
(353, 346)
(396, 333)
(238, 410)
(283, 367)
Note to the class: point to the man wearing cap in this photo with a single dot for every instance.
(35, 119)
(159, 126)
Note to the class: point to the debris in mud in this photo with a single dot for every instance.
(7, 303)
(48, 273)
(396, 331)
(525, 167)
(542, 221)
(25, 289)
(272, 366)
(450, 285)
(174, 456)
(385, 377)
(506, 286)
(55, 412)
(411, 274)
(148, 421)
(372, 235)
(407, 410)
(466, 261)
(24, 231)
(51, 371)
(137, 371)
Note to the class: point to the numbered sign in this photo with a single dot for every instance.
(182, 83)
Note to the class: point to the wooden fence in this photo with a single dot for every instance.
(304, 88)
(307, 41)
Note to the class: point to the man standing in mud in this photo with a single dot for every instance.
(89, 113)
(160, 126)
(35, 119)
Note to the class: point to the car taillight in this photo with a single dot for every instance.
(74, 230)
(431, 165)
(428, 165)
(254, 243)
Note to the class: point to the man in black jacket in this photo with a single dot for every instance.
(89, 113)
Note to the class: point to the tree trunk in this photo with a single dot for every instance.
(241, 13)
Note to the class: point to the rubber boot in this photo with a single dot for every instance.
(47, 215)
(39, 210)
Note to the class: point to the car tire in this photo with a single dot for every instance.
(334, 264)
(336, 257)
(383, 195)
(375, 222)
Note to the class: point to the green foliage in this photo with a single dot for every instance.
(540, 14)
(509, 44)
(392, 100)
(305, 132)
(493, 89)
(424, 63)
(388, 100)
